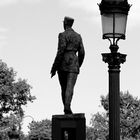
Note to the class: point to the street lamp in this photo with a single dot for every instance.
(114, 19)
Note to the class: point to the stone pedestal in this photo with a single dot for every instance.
(69, 127)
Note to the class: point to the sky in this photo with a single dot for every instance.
(28, 42)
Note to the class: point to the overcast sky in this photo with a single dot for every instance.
(28, 42)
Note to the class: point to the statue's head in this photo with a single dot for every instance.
(68, 22)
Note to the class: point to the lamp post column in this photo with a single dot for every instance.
(114, 60)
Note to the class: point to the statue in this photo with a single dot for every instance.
(68, 60)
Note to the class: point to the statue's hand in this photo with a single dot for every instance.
(53, 73)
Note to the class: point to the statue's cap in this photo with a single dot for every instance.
(68, 20)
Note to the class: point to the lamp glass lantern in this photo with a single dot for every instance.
(114, 19)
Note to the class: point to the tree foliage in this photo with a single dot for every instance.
(13, 93)
(90, 133)
(40, 129)
(99, 123)
(7, 123)
(129, 118)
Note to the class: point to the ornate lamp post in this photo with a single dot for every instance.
(114, 18)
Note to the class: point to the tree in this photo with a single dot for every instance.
(13, 93)
(40, 130)
(7, 123)
(90, 133)
(129, 117)
(99, 124)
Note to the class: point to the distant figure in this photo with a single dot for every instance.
(69, 58)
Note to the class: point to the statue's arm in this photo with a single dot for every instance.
(81, 52)
(60, 52)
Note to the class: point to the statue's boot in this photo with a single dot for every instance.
(67, 110)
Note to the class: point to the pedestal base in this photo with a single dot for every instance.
(69, 127)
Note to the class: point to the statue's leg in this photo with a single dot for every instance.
(62, 76)
(71, 80)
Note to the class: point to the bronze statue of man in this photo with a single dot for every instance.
(69, 58)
